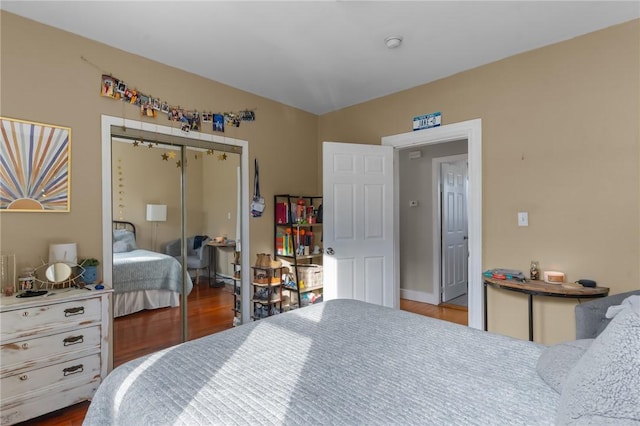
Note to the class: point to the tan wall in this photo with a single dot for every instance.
(560, 141)
(44, 78)
(543, 150)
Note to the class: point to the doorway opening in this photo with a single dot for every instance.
(469, 133)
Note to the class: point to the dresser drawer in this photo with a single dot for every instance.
(27, 354)
(23, 409)
(30, 321)
(61, 376)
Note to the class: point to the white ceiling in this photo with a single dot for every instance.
(323, 56)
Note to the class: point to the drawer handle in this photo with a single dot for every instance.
(73, 340)
(73, 370)
(74, 311)
(24, 377)
(25, 346)
(25, 314)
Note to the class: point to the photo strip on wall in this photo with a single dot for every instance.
(150, 107)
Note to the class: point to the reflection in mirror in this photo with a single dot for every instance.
(158, 175)
(58, 272)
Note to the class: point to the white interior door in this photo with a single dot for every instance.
(455, 250)
(358, 191)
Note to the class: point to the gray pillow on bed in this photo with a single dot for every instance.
(604, 386)
(123, 241)
(556, 361)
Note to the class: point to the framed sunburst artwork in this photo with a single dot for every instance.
(35, 172)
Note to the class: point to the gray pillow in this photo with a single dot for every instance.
(556, 361)
(604, 386)
(120, 247)
(123, 241)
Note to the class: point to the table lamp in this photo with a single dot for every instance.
(156, 213)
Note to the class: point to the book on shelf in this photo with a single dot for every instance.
(282, 213)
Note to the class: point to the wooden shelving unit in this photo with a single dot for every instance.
(266, 292)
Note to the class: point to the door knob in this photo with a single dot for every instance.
(330, 251)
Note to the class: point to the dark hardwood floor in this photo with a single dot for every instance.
(209, 312)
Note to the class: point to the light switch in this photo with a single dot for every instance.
(523, 219)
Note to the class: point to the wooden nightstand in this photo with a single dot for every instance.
(540, 288)
(54, 351)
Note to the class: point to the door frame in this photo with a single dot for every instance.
(436, 203)
(107, 247)
(470, 130)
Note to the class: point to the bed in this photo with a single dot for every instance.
(143, 279)
(350, 362)
(337, 362)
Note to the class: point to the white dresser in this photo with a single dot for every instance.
(55, 351)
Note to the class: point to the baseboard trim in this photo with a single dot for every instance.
(418, 296)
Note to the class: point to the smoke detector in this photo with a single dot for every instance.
(393, 41)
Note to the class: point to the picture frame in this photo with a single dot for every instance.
(121, 88)
(109, 86)
(36, 167)
(218, 123)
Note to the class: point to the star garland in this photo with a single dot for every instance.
(166, 156)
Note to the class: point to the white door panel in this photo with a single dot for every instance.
(358, 223)
(343, 213)
(345, 269)
(454, 230)
(374, 273)
(374, 213)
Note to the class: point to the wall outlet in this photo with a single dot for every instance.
(523, 219)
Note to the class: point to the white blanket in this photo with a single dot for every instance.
(337, 362)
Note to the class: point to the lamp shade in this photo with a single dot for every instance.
(156, 212)
(65, 253)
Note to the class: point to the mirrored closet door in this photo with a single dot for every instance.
(176, 230)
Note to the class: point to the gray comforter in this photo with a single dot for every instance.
(147, 270)
(337, 362)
